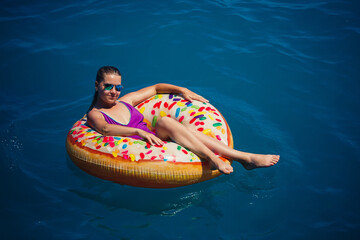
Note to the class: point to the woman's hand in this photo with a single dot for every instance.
(151, 138)
(190, 95)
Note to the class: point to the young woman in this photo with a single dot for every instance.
(111, 117)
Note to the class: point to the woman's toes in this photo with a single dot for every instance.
(226, 170)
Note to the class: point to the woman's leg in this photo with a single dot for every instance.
(169, 128)
(248, 160)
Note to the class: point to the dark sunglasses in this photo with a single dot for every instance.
(110, 86)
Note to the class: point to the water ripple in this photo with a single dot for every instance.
(298, 6)
(231, 45)
(286, 48)
(40, 44)
(354, 29)
(16, 18)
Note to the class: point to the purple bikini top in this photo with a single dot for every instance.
(136, 119)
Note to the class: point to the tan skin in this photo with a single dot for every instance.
(166, 128)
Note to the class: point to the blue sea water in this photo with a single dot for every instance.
(285, 74)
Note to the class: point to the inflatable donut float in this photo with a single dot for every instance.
(135, 162)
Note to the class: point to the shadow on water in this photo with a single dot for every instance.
(113, 196)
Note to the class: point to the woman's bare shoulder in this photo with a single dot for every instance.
(94, 114)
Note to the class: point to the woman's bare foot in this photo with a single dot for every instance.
(260, 161)
(222, 166)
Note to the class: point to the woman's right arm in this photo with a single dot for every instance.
(97, 121)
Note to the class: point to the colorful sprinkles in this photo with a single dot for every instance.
(200, 116)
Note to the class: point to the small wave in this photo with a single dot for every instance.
(40, 44)
(297, 68)
(281, 18)
(167, 11)
(94, 8)
(248, 17)
(297, 6)
(241, 10)
(326, 190)
(230, 73)
(286, 48)
(19, 12)
(17, 18)
(349, 140)
(172, 23)
(353, 29)
(114, 44)
(37, 45)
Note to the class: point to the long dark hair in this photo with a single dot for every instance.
(100, 77)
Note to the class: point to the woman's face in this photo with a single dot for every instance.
(108, 97)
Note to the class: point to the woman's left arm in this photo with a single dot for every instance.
(135, 98)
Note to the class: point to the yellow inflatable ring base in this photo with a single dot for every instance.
(134, 162)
